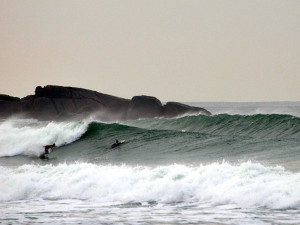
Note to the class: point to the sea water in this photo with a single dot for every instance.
(239, 166)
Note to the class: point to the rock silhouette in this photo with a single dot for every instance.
(61, 103)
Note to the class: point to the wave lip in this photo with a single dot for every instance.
(246, 185)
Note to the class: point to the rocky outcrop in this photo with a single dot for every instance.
(8, 98)
(60, 103)
(173, 109)
(8, 105)
(144, 107)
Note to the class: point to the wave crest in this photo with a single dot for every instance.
(27, 137)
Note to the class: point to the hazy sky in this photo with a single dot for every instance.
(175, 50)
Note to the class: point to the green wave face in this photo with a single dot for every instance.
(192, 139)
(272, 139)
(260, 125)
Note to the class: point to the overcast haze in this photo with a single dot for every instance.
(174, 50)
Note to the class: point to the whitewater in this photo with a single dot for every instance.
(239, 166)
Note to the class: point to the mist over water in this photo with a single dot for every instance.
(251, 108)
(242, 162)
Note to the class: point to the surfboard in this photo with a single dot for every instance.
(43, 157)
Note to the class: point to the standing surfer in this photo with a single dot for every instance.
(47, 148)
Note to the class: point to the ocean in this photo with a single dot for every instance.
(239, 166)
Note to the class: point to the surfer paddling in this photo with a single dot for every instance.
(117, 143)
(47, 149)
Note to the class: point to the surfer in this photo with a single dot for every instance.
(117, 143)
(47, 148)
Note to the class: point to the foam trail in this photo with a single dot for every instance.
(27, 137)
(246, 185)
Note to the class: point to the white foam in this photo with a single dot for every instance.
(245, 185)
(28, 137)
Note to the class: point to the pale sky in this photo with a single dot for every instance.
(185, 50)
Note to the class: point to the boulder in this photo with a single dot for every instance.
(144, 107)
(174, 109)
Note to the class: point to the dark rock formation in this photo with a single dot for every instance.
(144, 107)
(8, 105)
(59, 103)
(173, 109)
(8, 98)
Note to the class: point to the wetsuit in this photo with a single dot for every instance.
(47, 147)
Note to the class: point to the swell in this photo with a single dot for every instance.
(197, 132)
(271, 139)
(259, 125)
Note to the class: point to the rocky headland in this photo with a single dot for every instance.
(67, 103)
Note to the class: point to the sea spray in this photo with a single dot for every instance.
(246, 185)
(27, 137)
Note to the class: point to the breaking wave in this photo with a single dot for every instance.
(27, 137)
(245, 185)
